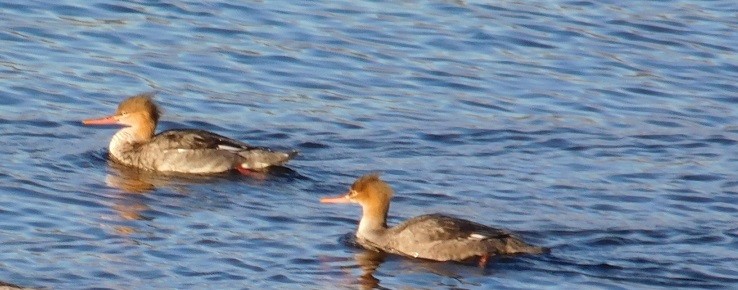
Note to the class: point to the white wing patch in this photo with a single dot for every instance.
(182, 150)
(256, 165)
(229, 148)
(476, 236)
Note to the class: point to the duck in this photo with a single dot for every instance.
(188, 151)
(437, 237)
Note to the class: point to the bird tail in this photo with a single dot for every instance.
(519, 247)
(537, 250)
(261, 159)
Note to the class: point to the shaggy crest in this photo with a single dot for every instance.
(140, 103)
(363, 182)
(371, 181)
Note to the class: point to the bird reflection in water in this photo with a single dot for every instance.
(451, 273)
(132, 180)
(136, 183)
(369, 261)
(130, 205)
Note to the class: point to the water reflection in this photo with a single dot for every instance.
(132, 180)
(369, 261)
(135, 183)
(452, 273)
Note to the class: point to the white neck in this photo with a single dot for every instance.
(369, 224)
(121, 141)
(373, 222)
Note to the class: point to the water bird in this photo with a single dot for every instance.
(435, 236)
(180, 150)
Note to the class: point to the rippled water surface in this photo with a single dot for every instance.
(606, 131)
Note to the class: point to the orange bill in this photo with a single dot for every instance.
(101, 121)
(339, 199)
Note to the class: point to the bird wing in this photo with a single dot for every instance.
(438, 227)
(193, 139)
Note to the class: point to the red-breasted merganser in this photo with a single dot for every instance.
(180, 151)
(433, 236)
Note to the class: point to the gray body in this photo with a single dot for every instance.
(443, 238)
(192, 151)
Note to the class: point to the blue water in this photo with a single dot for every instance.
(605, 130)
